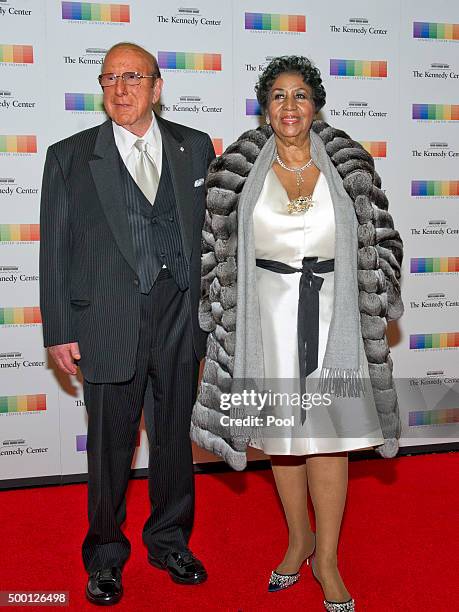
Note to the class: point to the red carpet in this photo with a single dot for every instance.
(398, 547)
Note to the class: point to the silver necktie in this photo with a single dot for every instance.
(146, 172)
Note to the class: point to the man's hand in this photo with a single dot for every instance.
(64, 356)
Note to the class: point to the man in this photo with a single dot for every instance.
(122, 209)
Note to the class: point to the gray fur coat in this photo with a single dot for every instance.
(379, 258)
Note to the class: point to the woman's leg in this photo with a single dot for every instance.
(327, 480)
(292, 486)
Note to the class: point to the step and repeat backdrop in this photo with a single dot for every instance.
(391, 71)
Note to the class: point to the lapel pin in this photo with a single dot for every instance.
(182, 149)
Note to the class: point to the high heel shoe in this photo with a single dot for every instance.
(334, 606)
(278, 582)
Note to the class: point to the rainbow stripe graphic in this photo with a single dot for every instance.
(425, 265)
(218, 145)
(22, 403)
(18, 144)
(273, 21)
(443, 31)
(376, 148)
(252, 107)
(180, 60)
(436, 112)
(442, 416)
(88, 11)
(20, 233)
(435, 188)
(81, 442)
(22, 315)
(84, 102)
(358, 68)
(16, 54)
(434, 341)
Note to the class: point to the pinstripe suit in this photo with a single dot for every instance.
(89, 293)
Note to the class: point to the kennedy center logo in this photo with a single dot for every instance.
(9, 187)
(13, 275)
(435, 228)
(96, 12)
(436, 189)
(195, 62)
(18, 447)
(359, 109)
(188, 16)
(9, 101)
(13, 404)
(273, 22)
(446, 340)
(433, 265)
(376, 148)
(14, 233)
(15, 360)
(359, 26)
(428, 30)
(436, 70)
(434, 301)
(367, 69)
(85, 102)
(190, 104)
(13, 11)
(16, 54)
(20, 316)
(435, 112)
(252, 108)
(81, 441)
(438, 149)
(218, 146)
(441, 416)
(91, 56)
(12, 144)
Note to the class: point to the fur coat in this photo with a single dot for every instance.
(379, 259)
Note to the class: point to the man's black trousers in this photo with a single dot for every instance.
(166, 355)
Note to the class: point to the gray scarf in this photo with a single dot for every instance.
(341, 368)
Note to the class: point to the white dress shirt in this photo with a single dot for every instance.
(124, 140)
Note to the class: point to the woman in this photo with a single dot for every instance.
(300, 273)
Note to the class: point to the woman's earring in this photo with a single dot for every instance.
(267, 120)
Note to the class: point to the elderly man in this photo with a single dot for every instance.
(121, 216)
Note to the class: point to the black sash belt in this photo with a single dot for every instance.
(308, 308)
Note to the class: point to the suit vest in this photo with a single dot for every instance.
(155, 230)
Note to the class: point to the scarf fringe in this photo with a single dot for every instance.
(341, 382)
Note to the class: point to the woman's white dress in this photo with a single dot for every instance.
(289, 238)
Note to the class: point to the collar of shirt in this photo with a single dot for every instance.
(124, 140)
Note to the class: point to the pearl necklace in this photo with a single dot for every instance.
(301, 203)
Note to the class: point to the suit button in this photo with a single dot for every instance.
(154, 220)
(171, 219)
(136, 282)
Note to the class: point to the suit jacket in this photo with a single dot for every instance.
(89, 290)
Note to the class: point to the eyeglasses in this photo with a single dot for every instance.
(130, 78)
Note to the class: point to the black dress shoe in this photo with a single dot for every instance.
(104, 587)
(183, 567)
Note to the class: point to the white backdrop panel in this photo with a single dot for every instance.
(211, 55)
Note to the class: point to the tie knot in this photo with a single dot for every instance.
(141, 145)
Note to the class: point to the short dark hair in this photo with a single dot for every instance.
(296, 64)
